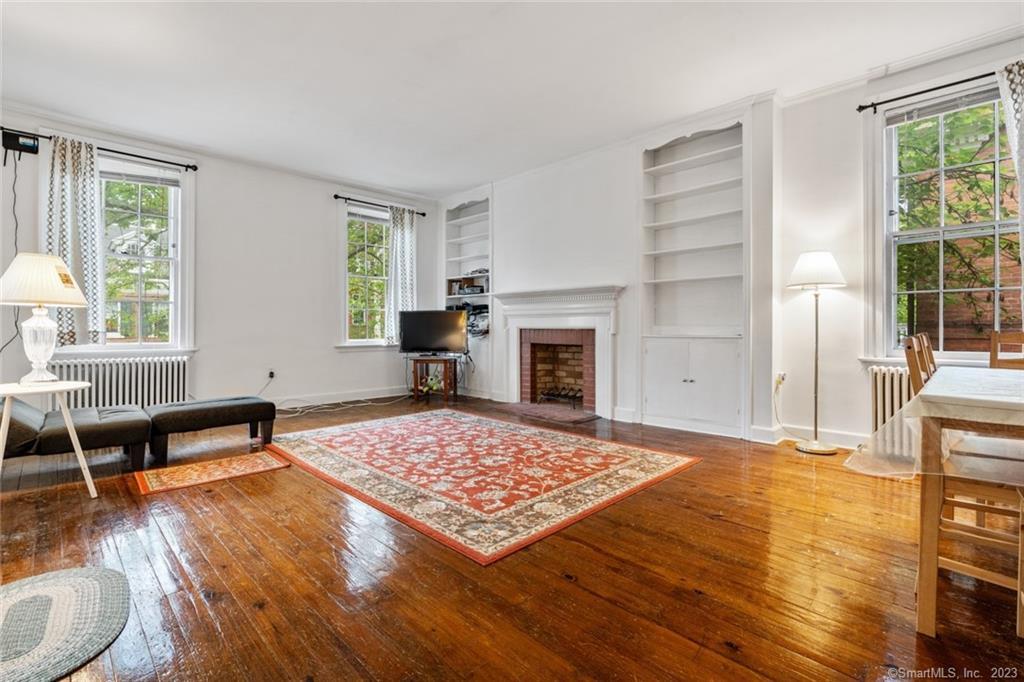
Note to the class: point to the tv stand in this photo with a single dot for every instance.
(449, 376)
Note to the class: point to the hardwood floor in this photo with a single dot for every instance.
(756, 562)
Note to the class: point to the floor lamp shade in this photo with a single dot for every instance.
(816, 270)
(39, 280)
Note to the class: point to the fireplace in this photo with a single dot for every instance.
(557, 365)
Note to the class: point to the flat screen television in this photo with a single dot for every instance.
(433, 331)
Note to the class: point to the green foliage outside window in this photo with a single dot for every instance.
(137, 230)
(367, 278)
(957, 251)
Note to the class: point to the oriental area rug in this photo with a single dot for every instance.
(482, 487)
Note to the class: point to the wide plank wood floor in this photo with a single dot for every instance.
(758, 562)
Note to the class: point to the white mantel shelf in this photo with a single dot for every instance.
(608, 292)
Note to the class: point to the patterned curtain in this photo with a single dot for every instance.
(401, 287)
(1011, 89)
(71, 233)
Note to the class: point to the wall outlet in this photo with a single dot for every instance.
(780, 379)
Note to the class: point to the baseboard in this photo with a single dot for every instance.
(476, 393)
(764, 434)
(693, 426)
(844, 439)
(624, 414)
(341, 396)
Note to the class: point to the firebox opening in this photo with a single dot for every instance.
(557, 373)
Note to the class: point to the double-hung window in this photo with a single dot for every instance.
(367, 273)
(141, 263)
(951, 208)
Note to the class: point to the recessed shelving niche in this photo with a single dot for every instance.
(467, 261)
(692, 235)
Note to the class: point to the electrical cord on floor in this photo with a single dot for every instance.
(325, 408)
(14, 212)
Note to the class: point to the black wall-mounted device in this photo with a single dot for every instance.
(20, 143)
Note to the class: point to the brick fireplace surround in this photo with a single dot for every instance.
(544, 342)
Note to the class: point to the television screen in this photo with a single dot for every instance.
(433, 331)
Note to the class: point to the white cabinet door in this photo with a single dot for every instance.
(666, 368)
(713, 395)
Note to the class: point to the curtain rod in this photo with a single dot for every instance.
(874, 105)
(364, 202)
(186, 166)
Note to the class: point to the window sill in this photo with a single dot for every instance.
(365, 346)
(896, 361)
(73, 352)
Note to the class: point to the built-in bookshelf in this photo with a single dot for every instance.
(692, 235)
(468, 282)
(467, 259)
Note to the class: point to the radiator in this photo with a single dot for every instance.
(125, 381)
(890, 390)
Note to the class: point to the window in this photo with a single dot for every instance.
(952, 201)
(366, 282)
(141, 265)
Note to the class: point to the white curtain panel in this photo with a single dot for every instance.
(1011, 90)
(401, 287)
(71, 233)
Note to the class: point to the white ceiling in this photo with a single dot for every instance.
(432, 98)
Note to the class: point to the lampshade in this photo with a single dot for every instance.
(38, 279)
(816, 269)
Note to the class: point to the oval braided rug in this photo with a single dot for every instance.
(52, 624)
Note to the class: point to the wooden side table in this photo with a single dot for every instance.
(449, 375)
(58, 388)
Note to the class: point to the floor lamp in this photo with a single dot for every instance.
(814, 271)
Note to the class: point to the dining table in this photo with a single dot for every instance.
(963, 431)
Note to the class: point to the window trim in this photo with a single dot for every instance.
(184, 333)
(878, 262)
(344, 342)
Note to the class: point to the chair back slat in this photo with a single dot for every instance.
(929, 353)
(917, 362)
(999, 340)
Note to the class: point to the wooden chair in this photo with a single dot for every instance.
(922, 367)
(992, 498)
(1000, 339)
(920, 360)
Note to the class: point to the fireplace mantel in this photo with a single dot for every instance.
(571, 308)
(596, 300)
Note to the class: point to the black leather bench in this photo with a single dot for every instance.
(34, 432)
(196, 415)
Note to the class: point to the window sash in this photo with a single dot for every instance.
(172, 259)
(368, 216)
(895, 237)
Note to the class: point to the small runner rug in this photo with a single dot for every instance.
(187, 475)
(483, 487)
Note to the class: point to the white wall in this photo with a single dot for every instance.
(573, 224)
(267, 280)
(822, 208)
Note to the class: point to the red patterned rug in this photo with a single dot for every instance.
(480, 486)
(187, 475)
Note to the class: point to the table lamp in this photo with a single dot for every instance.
(39, 280)
(816, 270)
